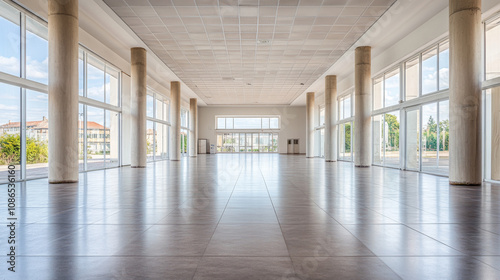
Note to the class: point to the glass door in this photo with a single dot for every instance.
(413, 139)
(248, 147)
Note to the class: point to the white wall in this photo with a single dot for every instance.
(293, 122)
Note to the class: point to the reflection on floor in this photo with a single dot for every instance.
(254, 216)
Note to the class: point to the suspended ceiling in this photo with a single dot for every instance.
(249, 51)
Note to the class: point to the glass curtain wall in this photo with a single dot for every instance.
(396, 97)
(24, 112)
(492, 100)
(99, 122)
(247, 142)
(157, 126)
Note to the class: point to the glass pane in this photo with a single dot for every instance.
(221, 123)
(274, 123)
(347, 107)
(255, 142)
(150, 140)
(392, 139)
(341, 109)
(247, 123)
(265, 123)
(219, 143)
(429, 137)
(37, 52)
(275, 142)
(37, 134)
(264, 142)
(248, 142)
(10, 40)
(112, 138)
(412, 78)
(242, 142)
(95, 79)
(492, 134)
(378, 139)
(81, 137)
(184, 141)
(377, 94)
(229, 123)
(167, 110)
(392, 88)
(444, 66)
(429, 71)
(341, 145)
(444, 137)
(413, 140)
(95, 138)
(158, 140)
(150, 106)
(159, 108)
(347, 142)
(322, 116)
(10, 127)
(80, 73)
(493, 50)
(184, 118)
(112, 86)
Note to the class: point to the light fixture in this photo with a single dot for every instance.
(263, 42)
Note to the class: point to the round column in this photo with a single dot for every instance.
(63, 91)
(330, 118)
(138, 108)
(310, 125)
(363, 102)
(193, 125)
(175, 121)
(465, 92)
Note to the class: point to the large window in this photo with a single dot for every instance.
(157, 126)
(271, 122)
(492, 101)
(492, 38)
(24, 112)
(428, 72)
(247, 142)
(386, 90)
(100, 122)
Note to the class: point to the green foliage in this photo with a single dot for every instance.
(431, 137)
(392, 133)
(347, 144)
(10, 150)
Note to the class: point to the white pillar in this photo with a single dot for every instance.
(193, 126)
(363, 102)
(310, 125)
(330, 118)
(175, 121)
(138, 90)
(465, 92)
(63, 91)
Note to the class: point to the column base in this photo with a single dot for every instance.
(465, 183)
(138, 166)
(310, 157)
(363, 166)
(329, 160)
(175, 160)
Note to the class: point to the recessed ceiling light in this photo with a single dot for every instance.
(263, 41)
(249, 84)
(301, 84)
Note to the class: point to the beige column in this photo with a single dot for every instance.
(193, 126)
(310, 125)
(363, 102)
(175, 121)
(330, 118)
(138, 97)
(465, 92)
(63, 91)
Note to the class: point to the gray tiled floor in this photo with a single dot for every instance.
(237, 216)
